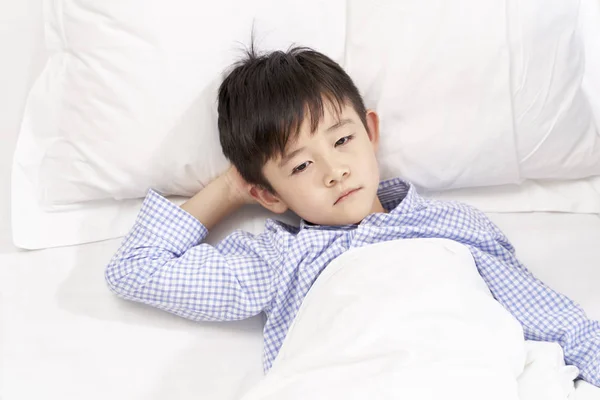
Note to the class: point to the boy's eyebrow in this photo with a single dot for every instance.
(339, 124)
(287, 157)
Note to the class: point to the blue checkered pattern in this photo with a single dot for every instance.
(163, 262)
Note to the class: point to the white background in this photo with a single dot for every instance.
(22, 57)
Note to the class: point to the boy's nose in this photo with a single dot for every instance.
(336, 174)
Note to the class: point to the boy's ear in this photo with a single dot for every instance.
(373, 128)
(268, 200)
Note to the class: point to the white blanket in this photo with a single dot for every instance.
(410, 319)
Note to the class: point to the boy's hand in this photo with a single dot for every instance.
(240, 189)
(219, 198)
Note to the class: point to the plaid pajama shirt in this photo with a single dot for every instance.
(163, 262)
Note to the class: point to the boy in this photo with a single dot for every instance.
(295, 127)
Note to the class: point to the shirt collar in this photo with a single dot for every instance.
(396, 195)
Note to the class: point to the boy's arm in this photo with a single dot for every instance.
(545, 314)
(163, 263)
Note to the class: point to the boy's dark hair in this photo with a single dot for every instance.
(265, 98)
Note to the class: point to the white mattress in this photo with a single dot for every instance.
(65, 336)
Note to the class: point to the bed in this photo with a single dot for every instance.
(63, 335)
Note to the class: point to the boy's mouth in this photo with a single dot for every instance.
(345, 194)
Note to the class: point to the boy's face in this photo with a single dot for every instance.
(317, 170)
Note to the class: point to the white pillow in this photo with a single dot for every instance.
(127, 101)
(589, 18)
(556, 134)
(475, 93)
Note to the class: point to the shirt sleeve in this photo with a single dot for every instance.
(163, 263)
(544, 314)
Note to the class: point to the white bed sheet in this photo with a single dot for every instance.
(65, 336)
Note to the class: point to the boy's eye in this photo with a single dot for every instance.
(300, 167)
(344, 140)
